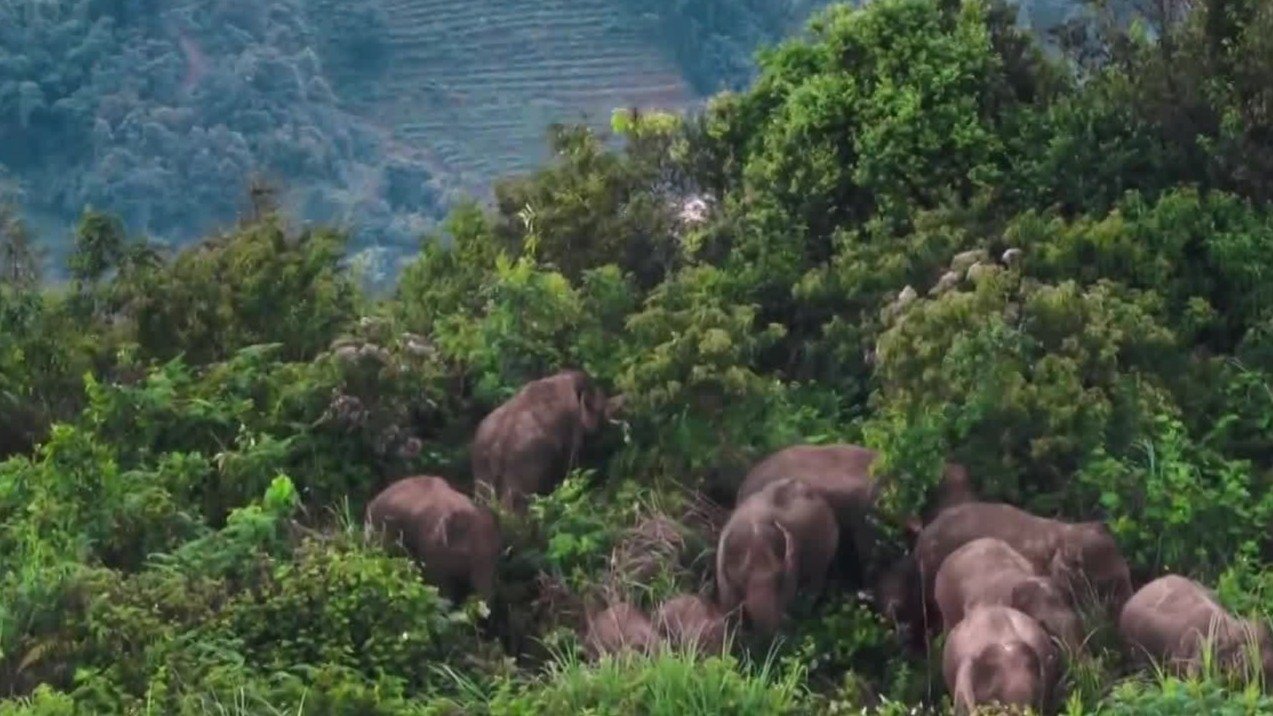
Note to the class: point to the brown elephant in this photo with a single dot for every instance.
(456, 541)
(529, 443)
(841, 474)
(1000, 655)
(1077, 556)
(898, 595)
(620, 627)
(777, 541)
(1172, 620)
(689, 621)
(989, 572)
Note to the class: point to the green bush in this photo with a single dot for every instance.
(342, 604)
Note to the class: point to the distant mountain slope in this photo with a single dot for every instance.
(477, 82)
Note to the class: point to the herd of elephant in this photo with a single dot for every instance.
(1006, 587)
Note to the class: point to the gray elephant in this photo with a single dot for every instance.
(776, 542)
(1172, 620)
(618, 628)
(841, 474)
(989, 572)
(529, 443)
(689, 621)
(1000, 655)
(1077, 556)
(456, 541)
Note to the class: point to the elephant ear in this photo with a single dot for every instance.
(790, 563)
(592, 404)
(1028, 597)
(452, 530)
(1067, 561)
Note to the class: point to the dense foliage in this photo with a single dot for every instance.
(912, 231)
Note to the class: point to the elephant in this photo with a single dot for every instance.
(528, 444)
(1074, 555)
(457, 542)
(987, 571)
(997, 654)
(841, 474)
(777, 541)
(898, 595)
(620, 627)
(689, 621)
(1172, 619)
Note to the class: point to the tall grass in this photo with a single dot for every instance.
(669, 682)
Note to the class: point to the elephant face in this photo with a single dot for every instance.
(766, 574)
(592, 402)
(897, 592)
(1264, 640)
(1010, 674)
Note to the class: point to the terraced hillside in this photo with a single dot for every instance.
(476, 82)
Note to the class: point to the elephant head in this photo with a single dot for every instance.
(1007, 673)
(1040, 598)
(593, 406)
(1264, 642)
(620, 627)
(475, 538)
(1089, 557)
(898, 594)
(758, 571)
(1249, 645)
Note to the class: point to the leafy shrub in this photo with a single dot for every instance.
(341, 604)
(1026, 378)
(1178, 508)
(260, 283)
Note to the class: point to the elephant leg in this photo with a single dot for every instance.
(863, 538)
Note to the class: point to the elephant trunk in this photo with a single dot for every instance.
(763, 606)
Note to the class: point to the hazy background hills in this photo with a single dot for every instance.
(372, 113)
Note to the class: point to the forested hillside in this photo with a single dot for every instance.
(911, 231)
(375, 114)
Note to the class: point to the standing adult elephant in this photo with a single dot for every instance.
(456, 542)
(841, 475)
(529, 443)
(778, 541)
(1077, 556)
(1172, 621)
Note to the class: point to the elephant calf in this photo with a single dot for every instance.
(528, 444)
(456, 541)
(778, 540)
(1075, 556)
(988, 572)
(999, 655)
(620, 627)
(1172, 620)
(689, 621)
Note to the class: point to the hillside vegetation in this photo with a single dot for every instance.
(825, 256)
